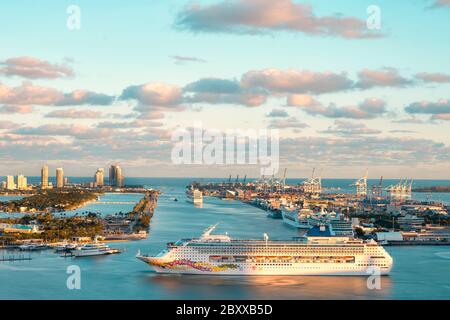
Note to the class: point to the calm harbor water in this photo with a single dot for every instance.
(418, 273)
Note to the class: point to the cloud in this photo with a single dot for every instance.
(440, 3)
(7, 125)
(154, 94)
(267, 16)
(30, 94)
(184, 59)
(386, 77)
(223, 91)
(291, 123)
(301, 100)
(347, 128)
(138, 123)
(277, 113)
(363, 150)
(368, 109)
(74, 114)
(445, 117)
(73, 130)
(33, 68)
(10, 109)
(296, 81)
(411, 120)
(213, 85)
(426, 107)
(81, 97)
(433, 77)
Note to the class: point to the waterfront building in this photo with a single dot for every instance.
(10, 184)
(116, 178)
(100, 177)
(59, 178)
(44, 177)
(410, 222)
(18, 228)
(21, 182)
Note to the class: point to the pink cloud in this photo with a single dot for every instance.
(74, 114)
(10, 109)
(261, 16)
(433, 77)
(154, 94)
(30, 94)
(301, 100)
(368, 109)
(33, 68)
(295, 81)
(387, 77)
(445, 117)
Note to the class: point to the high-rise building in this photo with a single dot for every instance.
(44, 177)
(100, 177)
(10, 184)
(59, 178)
(116, 178)
(22, 182)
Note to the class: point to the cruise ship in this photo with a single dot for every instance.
(307, 219)
(194, 196)
(221, 255)
(299, 218)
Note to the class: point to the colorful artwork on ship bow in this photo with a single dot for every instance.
(201, 266)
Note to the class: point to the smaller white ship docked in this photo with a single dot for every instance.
(194, 196)
(306, 219)
(65, 247)
(93, 249)
(298, 218)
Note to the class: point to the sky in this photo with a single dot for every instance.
(85, 84)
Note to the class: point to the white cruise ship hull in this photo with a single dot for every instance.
(90, 254)
(221, 255)
(251, 269)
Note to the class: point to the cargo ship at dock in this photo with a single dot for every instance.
(222, 255)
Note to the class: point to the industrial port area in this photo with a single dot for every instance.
(385, 213)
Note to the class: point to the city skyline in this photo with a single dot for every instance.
(344, 97)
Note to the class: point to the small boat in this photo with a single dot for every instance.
(93, 249)
(33, 247)
(65, 247)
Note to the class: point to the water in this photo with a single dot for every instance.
(418, 273)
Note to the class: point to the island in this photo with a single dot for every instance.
(51, 201)
(42, 221)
